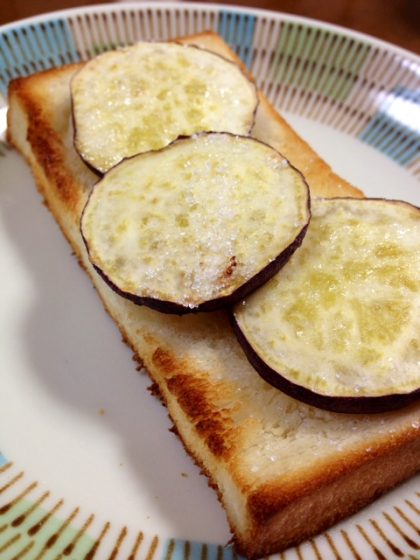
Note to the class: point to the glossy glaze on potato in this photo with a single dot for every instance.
(338, 327)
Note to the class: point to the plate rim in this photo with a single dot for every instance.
(232, 8)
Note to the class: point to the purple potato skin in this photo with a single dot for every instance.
(331, 403)
(216, 304)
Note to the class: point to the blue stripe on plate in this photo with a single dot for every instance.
(34, 47)
(3, 459)
(8, 61)
(395, 128)
(237, 30)
(177, 549)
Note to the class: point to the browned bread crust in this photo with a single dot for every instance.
(283, 470)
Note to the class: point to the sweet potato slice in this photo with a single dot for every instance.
(144, 96)
(197, 225)
(339, 326)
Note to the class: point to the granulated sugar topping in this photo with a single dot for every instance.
(194, 221)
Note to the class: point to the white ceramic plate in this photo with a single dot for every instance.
(88, 468)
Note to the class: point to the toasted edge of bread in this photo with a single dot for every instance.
(224, 414)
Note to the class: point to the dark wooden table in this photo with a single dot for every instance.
(396, 21)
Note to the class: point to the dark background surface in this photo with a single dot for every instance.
(396, 21)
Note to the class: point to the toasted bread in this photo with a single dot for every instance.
(283, 470)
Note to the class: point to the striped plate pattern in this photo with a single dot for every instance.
(35, 525)
(362, 87)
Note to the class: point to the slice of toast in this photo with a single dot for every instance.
(283, 470)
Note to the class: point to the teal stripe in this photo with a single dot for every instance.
(46, 48)
(27, 37)
(34, 47)
(398, 139)
(237, 29)
(57, 37)
(53, 537)
(317, 60)
(3, 459)
(177, 549)
(10, 59)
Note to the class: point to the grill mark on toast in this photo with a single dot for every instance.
(213, 426)
(46, 144)
(43, 148)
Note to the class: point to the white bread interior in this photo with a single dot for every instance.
(283, 471)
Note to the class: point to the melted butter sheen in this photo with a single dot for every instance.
(348, 299)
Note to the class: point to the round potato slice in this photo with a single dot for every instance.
(196, 225)
(339, 326)
(144, 96)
